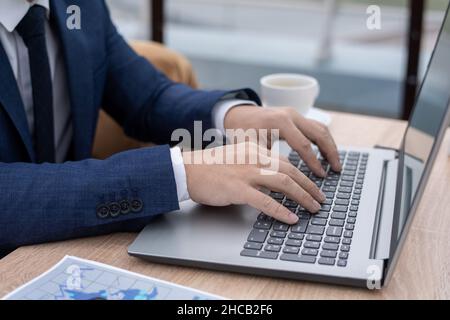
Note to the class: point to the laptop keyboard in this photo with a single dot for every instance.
(324, 238)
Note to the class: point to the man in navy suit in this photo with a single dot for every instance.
(53, 80)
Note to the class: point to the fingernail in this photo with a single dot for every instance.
(322, 197)
(293, 218)
(316, 205)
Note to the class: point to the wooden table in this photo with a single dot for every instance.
(423, 270)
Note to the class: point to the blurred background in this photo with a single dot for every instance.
(233, 43)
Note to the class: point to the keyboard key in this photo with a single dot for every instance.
(353, 208)
(290, 203)
(267, 255)
(345, 189)
(306, 172)
(311, 245)
(348, 234)
(342, 263)
(332, 239)
(294, 243)
(343, 196)
(315, 230)
(272, 247)
(304, 215)
(296, 258)
(351, 220)
(257, 236)
(338, 215)
(319, 222)
(349, 226)
(328, 254)
(343, 255)
(346, 184)
(345, 248)
(347, 241)
(278, 234)
(326, 208)
(293, 250)
(253, 246)
(340, 209)
(296, 236)
(334, 231)
(278, 226)
(327, 261)
(336, 222)
(265, 225)
(264, 217)
(295, 162)
(312, 237)
(322, 214)
(249, 253)
(277, 241)
(277, 195)
(329, 189)
(310, 252)
(342, 202)
(328, 202)
(259, 254)
(329, 195)
(352, 214)
(330, 246)
(300, 227)
(293, 155)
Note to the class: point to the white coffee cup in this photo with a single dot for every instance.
(290, 90)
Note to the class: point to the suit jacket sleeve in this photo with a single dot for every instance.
(48, 202)
(148, 105)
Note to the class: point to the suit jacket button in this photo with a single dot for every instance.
(102, 211)
(136, 205)
(114, 209)
(125, 206)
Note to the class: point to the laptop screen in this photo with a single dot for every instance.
(423, 132)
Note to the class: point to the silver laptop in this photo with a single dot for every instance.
(357, 236)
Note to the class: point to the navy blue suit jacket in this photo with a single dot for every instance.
(82, 197)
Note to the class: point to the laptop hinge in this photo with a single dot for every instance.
(381, 236)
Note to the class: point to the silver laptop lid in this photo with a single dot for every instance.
(422, 140)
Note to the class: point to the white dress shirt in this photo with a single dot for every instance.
(11, 13)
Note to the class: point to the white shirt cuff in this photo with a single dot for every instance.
(221, 109)
(179, 172)
(219, 112)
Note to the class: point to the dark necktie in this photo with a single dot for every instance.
(32, 30)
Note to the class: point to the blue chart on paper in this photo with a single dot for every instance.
(78, 279)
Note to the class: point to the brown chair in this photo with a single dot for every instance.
(110, 137)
